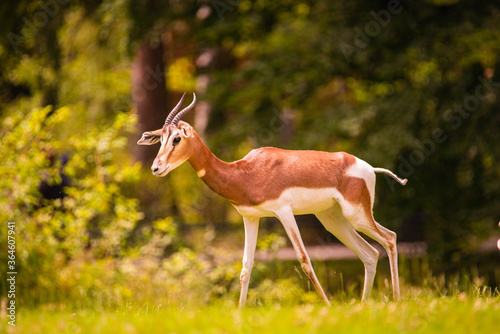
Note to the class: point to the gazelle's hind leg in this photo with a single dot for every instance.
(387, 239)
(360, 215)
(335, 222)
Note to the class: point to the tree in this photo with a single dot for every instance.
(149, 93)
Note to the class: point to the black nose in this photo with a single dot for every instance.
(155, 169)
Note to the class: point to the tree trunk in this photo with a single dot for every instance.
(149, 95)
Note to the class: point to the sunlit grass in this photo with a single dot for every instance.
(417, 313)
(280, 301)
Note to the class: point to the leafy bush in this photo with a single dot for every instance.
(89, 217)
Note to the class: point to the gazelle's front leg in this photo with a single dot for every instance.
(251, 231)
(292, 230)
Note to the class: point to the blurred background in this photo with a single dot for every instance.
(405, 85)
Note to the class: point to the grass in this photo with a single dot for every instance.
(200, 298)
(459, 314)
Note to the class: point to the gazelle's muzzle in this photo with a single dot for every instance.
(160, 170)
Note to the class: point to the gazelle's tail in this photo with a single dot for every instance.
(391, 174)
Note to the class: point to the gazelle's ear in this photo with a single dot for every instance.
(150, 137)
(187, 130)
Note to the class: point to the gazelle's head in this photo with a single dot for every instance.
(175, 137)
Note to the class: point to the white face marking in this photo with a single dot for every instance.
(161, 166)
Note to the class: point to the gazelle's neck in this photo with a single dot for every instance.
(218, 175)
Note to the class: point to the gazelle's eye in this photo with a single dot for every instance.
(176, 140)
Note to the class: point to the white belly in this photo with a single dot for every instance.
(301, 200)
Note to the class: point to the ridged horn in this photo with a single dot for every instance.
(175, 110)
(178, 117)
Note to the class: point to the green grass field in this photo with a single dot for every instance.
(458, 314)
(280, 300)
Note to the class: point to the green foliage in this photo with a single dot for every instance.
(94, 81)
(94, 219)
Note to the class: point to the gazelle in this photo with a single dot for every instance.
(336, 187)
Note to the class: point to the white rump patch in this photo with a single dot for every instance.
(363, 170)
